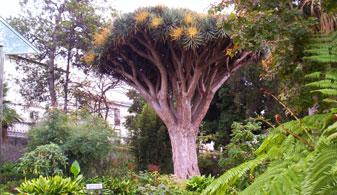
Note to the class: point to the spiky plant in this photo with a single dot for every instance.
(177, 60)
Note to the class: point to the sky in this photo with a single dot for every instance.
(12, 7)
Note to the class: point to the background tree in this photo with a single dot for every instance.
(239, 99)
(177, 60)
(282, 29)
(150, 141)
(62, 31)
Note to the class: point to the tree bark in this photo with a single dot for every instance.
(51, 80)
(184, 154)
(65, 108)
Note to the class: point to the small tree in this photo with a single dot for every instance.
(177, 59)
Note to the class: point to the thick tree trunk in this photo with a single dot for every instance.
(184, 154)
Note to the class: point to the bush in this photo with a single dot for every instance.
(116, 186)
(198, 184)
(9, 172)
(55, 185)
(245, 140)
(45, 160)
(82, 137)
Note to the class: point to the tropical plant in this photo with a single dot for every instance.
(45, 160)
(300, 156)
(323, 51)
(175, 59)
(55, 185)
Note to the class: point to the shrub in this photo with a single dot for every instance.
(55, 185)
(82, 137)
(9, 172)
(116, 186)
(198, 184)
(45, 160)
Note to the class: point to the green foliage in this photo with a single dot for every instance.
(150, 141)
(81, 136)
(45, 160)
(243, 143)
(9, 172)
(75, 168)
(9, 115)
(323, 50)
(114, 185)
(293, 167)
(198, 184)
(282, 31)
(239, 98)
(55, 185)
(59, 39)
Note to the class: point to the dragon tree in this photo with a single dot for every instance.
(177, 59)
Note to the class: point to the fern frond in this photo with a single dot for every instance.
(314, 75)
(329, 92)
(320, 177)
(327, 100)
(221, 183)
(280, 177)
(323, 84)
(331, 75)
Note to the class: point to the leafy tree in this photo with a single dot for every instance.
(177, 60)
(62, 31)
(282, 30)
(150, 141)
(81, 136)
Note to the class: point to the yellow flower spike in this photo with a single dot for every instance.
(89, 58)
(101, 36)
(176, 33)
(188, 18)
(228, 52)
(156, 22)
(24, 172)
(141, 17)
(35, 171)
(192, 31)
(30, 170)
